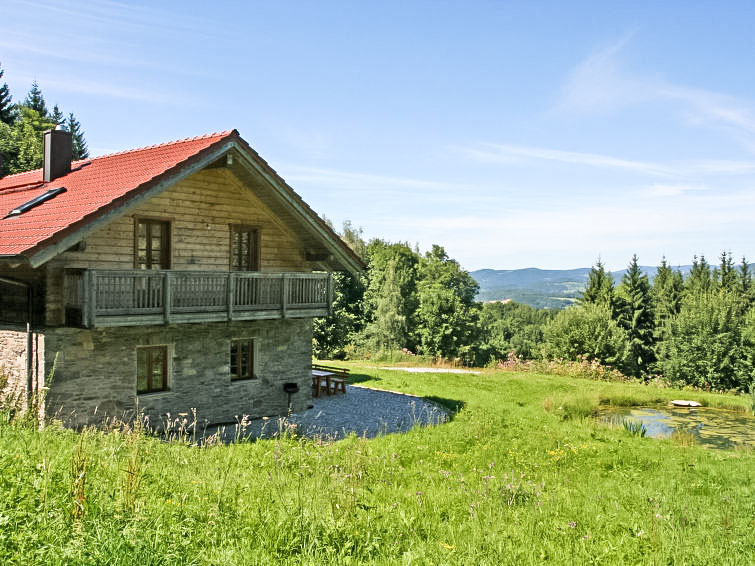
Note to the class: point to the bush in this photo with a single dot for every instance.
(586, 333)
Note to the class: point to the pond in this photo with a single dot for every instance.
(714, 428)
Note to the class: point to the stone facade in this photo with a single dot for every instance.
(14, 350)
(95, 375)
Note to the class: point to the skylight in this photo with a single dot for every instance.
(36, 201)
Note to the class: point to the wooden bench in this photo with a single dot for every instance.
(330, 379)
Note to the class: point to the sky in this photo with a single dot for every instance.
(513, 134)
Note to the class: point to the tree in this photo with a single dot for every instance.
(744, 283)
(599, 289)
(21, 144)
(512, 327)
(635, 316)
(80, 150)
(667, 290)
(586, 330)
(7, 111)
(703, 346)
(332, 334)
(391, 296)
(700, 279)
(57, 116)
(447, 314)
(35, 100)
(726, 273)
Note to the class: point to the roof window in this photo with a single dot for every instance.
(36, 201)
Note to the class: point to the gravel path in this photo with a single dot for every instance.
(363, 411)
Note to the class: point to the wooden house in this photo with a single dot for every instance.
(159, 280)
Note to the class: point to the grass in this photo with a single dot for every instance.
(521, 475)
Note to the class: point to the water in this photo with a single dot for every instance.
(714, 428)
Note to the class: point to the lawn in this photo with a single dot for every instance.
(522, 474)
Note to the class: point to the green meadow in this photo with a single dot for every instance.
(521, 474)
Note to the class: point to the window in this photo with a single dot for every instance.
(152, 244)
(151, 369)
(244, 249)
(242, 359)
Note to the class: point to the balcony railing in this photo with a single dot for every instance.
(96, 298)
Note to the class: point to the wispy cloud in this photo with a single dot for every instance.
(600, 83)
(362, 182)
(670, 190)
(497, 153)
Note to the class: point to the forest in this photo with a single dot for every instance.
(22, 125)
(696, 330)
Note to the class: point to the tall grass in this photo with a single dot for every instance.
(506, 481)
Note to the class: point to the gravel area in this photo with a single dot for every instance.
(363, 411)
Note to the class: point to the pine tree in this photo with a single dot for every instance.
(57, 116)
(599, 289)
(744, 283)
(80, 150)
(725, 274)
(700, 279)
(7, 112)
(667, 290)
(36, 101)
(635, 316)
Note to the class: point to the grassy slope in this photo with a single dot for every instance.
(510, 480)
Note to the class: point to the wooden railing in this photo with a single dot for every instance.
(96, 298)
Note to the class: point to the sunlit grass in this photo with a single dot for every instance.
(521, 474)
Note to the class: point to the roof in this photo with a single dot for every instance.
(101, 186)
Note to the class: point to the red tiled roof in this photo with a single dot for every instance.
(92, 188)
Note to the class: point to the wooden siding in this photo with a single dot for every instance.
(201, 210)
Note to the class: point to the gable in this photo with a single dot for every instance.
(101, 190)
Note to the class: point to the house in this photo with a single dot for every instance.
(159, 280)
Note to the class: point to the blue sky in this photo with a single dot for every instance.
(514, 134)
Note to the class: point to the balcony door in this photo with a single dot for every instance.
(151, 252)
(245, 256)
(152, 244)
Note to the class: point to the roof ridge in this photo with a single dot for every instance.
(163, 144)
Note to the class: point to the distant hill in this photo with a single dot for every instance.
(542, 288)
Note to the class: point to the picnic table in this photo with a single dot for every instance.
(330, 380)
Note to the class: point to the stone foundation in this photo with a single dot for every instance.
(14, 365)
(95, 375)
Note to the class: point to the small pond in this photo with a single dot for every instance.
(714, 428)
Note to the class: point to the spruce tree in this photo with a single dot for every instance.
(36, 101)
(635, 316)
(745, 288)
(725, 274)
(57, 116)
(667, 290)
(7, 112)
(599, 289)
(700, 279)
(80, 150)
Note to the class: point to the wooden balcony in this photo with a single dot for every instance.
(99, 298)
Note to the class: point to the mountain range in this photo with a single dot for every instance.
(542, 288)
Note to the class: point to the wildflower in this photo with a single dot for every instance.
(586, 537)
(448, 546)
(573, 524)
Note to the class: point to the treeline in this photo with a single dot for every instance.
(21, 128)
(698, 330)
(420, 304)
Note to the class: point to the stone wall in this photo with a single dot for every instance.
(95, 377)
(13, 361)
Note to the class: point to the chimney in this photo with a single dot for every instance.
(58, 154)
